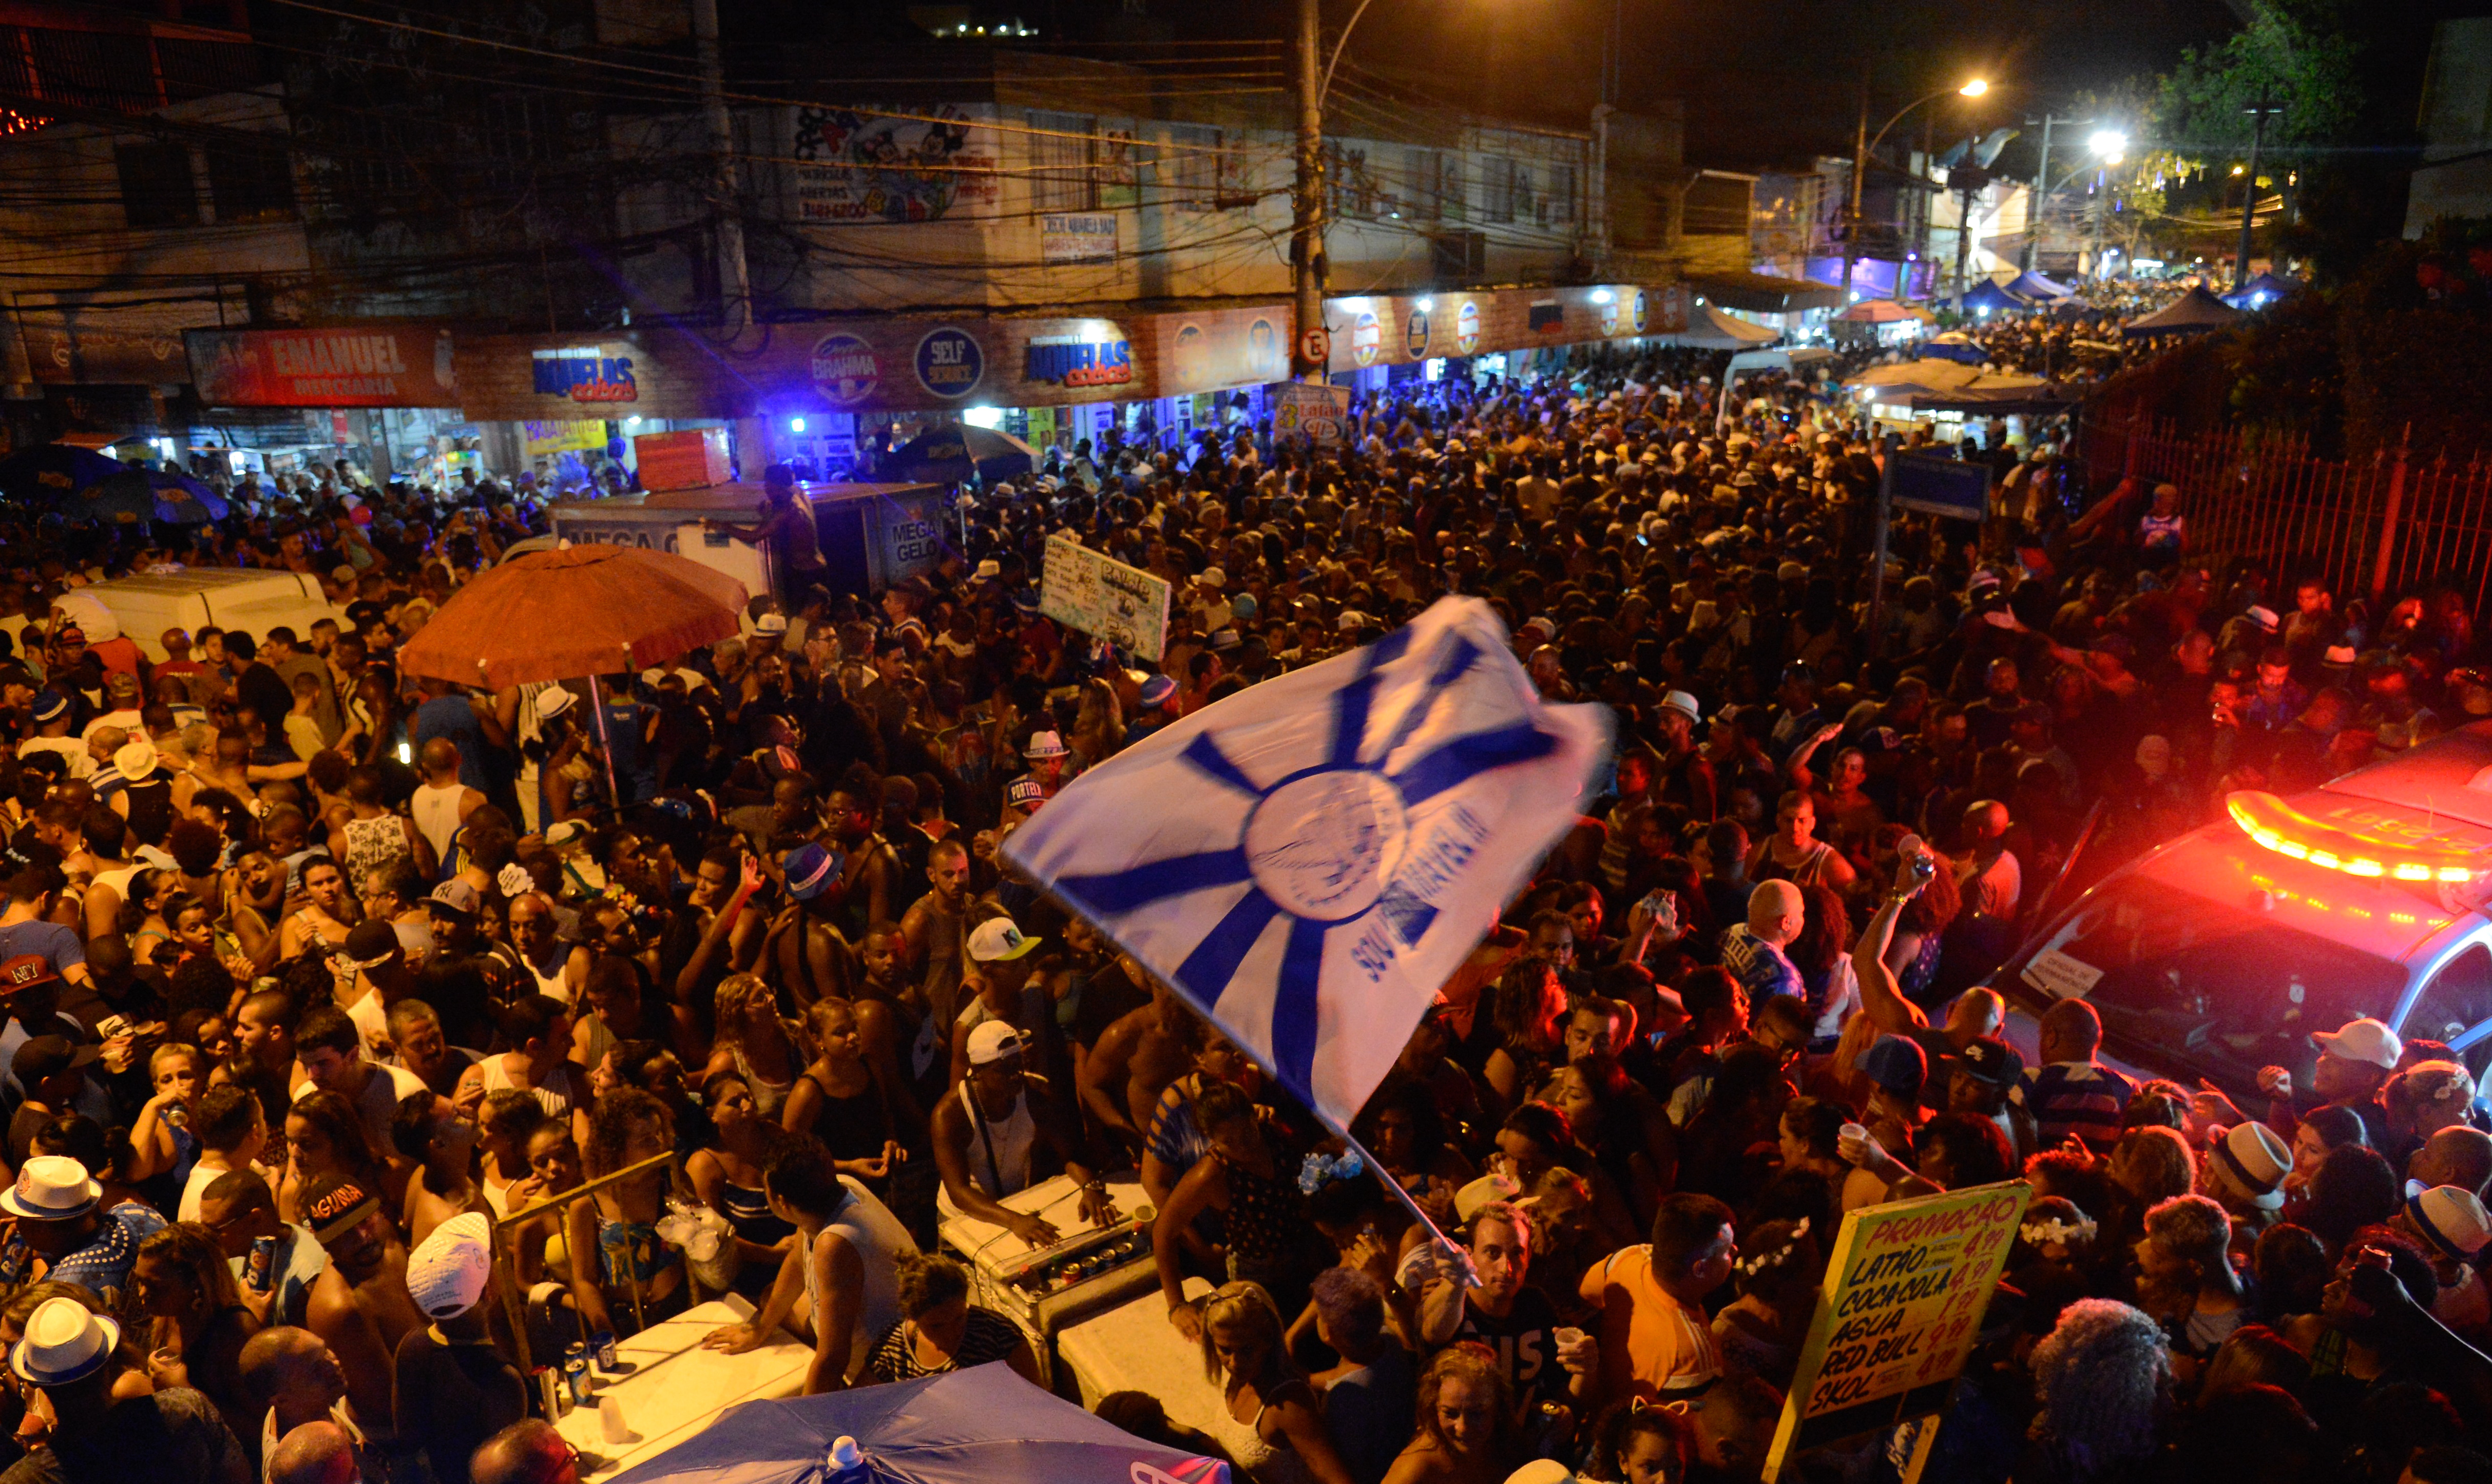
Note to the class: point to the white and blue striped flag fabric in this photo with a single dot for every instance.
(1310, 859)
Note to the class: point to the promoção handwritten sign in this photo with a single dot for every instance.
(1904, 1295)
(1097, 594)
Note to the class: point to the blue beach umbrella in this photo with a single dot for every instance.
(985, 1425)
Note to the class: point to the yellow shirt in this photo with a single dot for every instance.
(1651, 1344)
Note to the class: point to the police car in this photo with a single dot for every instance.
(2222, 951)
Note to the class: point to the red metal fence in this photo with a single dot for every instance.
(2395, 522)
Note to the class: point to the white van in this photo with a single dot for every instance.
(250, 600)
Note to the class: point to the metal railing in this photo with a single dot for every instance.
(506, 1253)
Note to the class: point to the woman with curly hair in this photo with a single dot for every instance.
(2103, 1379)
(1823, 955)
(1466, 1432)
(323, 1132)
(1760, 1332)
(637, 1279)
(1528, 1007)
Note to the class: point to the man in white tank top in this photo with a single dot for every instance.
(988, 1134)
(441, 802)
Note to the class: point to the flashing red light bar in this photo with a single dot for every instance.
(2287, 831)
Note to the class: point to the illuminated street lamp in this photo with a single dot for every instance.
(1864, 142)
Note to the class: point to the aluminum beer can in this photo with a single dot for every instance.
(574, 1374)
(259, 1269)
(602, 1344)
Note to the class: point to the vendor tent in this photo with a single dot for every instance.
(1954, 346)
(1763, 293)
(1875, 312)
(2030, 284)
(2261, 291)
(1988, 298)
(1931, 384)
(2194, 313)
(1712, 330)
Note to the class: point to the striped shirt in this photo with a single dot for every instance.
(2083, 1098)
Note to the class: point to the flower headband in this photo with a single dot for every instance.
(1321, 1170)
(2058, 1230)
(1752, 1266)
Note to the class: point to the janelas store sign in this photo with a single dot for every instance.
(388, 366)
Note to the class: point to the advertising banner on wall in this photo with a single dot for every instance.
(592, 375)
(72, 344)
(367, 366)
(1077, 237)
(1395, 330)
(858, 167)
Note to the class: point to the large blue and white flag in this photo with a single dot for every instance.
(1308, 861)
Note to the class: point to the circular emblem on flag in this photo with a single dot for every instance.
(1322, 846)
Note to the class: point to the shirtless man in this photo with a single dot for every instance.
(869, 865)
(1135, 1058)
(937, 927)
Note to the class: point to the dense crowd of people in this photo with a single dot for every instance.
(315, 971)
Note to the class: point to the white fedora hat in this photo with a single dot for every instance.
(65, 1342)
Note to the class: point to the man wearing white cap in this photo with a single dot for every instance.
(455, 1389)
(988, 1132)
(173, 1437)
(2354, 1062)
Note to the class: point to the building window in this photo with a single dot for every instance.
(1420, 191)
(1560, 206)
(1191, 170)
(251, 185)
(1060, 177)
(1496, 190)
(157, 187)
(1453, 190)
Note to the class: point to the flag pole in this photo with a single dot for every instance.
(1467, 1275)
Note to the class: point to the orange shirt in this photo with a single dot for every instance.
(1651, 1344)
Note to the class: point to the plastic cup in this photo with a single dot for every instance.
(1853, 1131)
(609, 1419)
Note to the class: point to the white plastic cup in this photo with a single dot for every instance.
(609, 1419)
(1852, 1131)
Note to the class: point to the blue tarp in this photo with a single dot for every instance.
(2032, 286)
(1997, 300)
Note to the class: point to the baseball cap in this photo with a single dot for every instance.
(997, 939)
(2365, 1040)
(1989, 1062)
(40, 1057)
(447, 1272)
(1895, 1064)
(369, 945)
(453, 896)
(1025, 794)
(24, 971)
(334, 1204)
(810, 869)
(51, 706)
(992, 1041)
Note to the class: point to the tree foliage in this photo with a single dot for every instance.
(2297, 61)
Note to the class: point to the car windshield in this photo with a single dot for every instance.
(2205, 978)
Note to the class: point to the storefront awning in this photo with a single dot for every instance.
(1765, 293)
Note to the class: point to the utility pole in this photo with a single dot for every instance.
(1964, 225)
(1859, 167)
(2249, 189)
(2033, 205)
(2102, 207)
(734, 279)
(1311, 353)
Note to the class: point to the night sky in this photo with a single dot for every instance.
(1766, 81)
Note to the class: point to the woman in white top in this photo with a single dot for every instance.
(841, 1277)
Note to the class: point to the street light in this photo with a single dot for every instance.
(2108, 145)
(1864, 143)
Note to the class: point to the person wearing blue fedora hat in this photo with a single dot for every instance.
(51, 713)
(174, 1435)
(806, 945)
